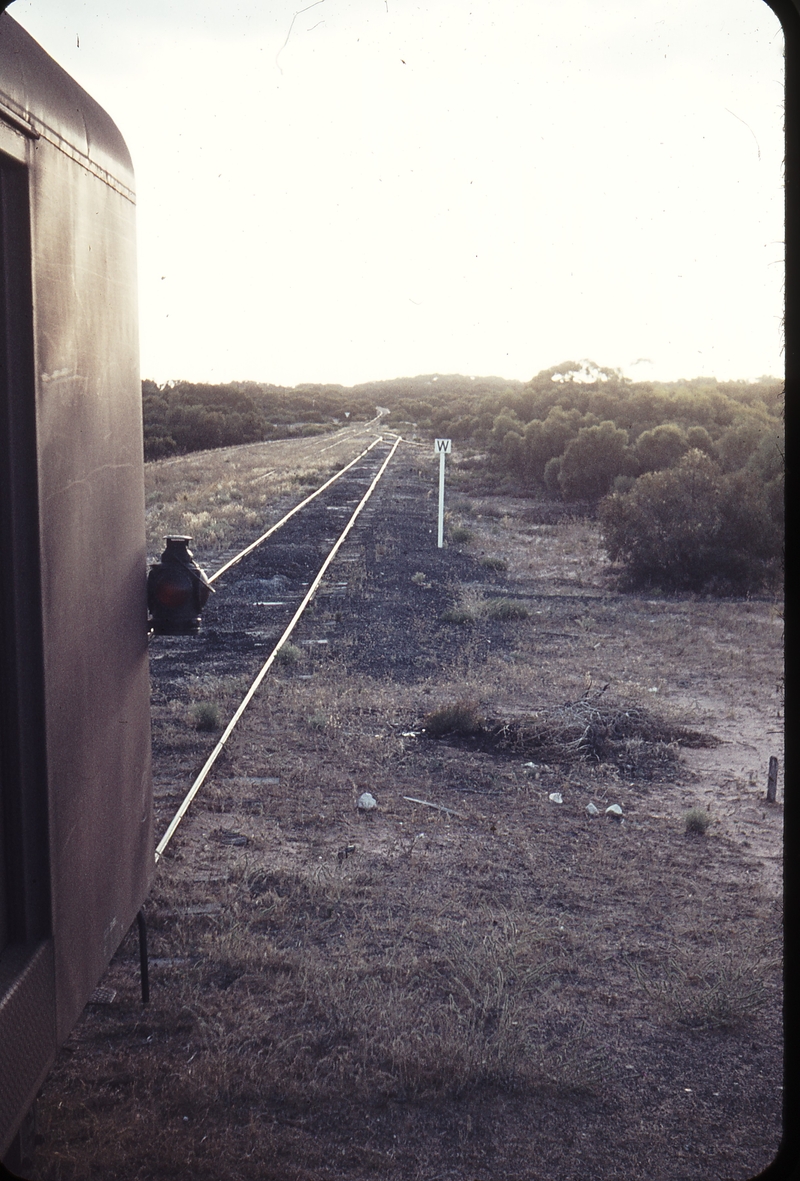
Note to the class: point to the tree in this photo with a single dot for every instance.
(593, 460)
(692, 527)
(699, 439)
(740, 441)
(552, 475)
(661, 447)
(543, 440)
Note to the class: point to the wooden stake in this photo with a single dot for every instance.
(772, 780)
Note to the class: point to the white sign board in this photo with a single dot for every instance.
(442, 447)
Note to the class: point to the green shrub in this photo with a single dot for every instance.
(462, 717)
(460, 535)
(693, 528)
(205, 716)
(499, 564)
(697, 820)
(288, 655)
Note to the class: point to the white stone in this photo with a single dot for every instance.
(555, 797)
(367, 802)
(614, 810)
(592, 810)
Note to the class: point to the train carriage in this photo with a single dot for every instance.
(76, 842)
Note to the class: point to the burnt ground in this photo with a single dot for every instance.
(486, 984)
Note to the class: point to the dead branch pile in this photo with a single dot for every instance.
(636, 742)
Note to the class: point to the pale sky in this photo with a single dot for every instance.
(362, 189)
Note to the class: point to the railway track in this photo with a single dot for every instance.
(263, 592)
(231, 562)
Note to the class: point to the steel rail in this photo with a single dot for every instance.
(212, 758)
(355, 428)
(274, 528)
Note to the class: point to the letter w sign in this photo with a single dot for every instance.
(443, 446)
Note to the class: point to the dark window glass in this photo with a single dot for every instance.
(23, 829)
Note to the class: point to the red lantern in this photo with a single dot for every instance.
(177, 591)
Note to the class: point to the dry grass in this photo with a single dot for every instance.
(716, 987)
(471, 604)
(222, 499)
(461, 718)
(505, 609)
(500, 565)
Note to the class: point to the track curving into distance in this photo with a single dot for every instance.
(297, 508)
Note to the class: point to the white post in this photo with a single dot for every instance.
(443, 447)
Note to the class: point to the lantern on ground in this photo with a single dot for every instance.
(177, 591)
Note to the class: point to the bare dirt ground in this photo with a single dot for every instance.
(470, 980)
